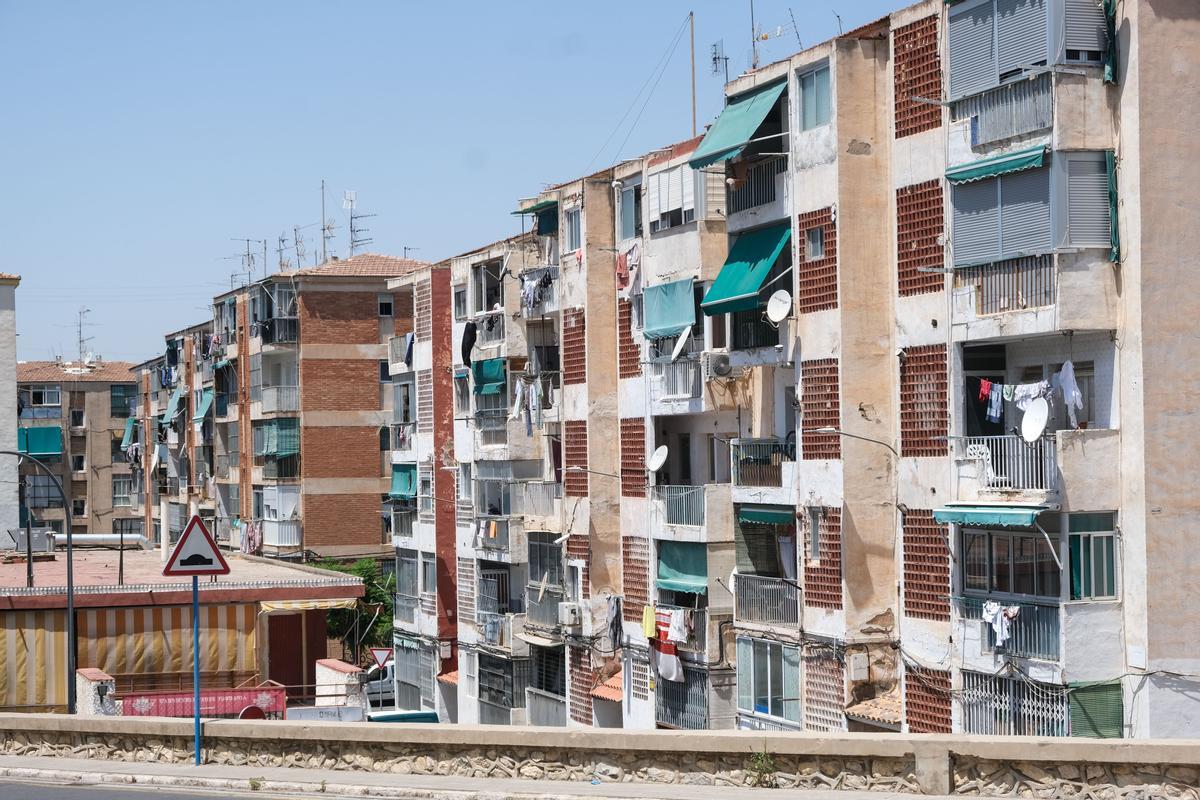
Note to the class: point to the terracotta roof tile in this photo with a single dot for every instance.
(884, 710)
(449, 677)
(8, 276)
(72, 372)
(611, 689)
(365, 265)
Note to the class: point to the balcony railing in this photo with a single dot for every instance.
(759, 462)
(543, 612)
(492, 714)
(492, 425)
(402, 523)
(279, 330)
(698, 639)
(766, 601)
(403, 435)
(489, 327)
(280, 398)
(281, 468)
(750, 331)
(396, 348)
(1011, 285)
(683, 704)
(495, 628)
(1009, 463)
(759, 187)
(406, 609)
(679, 505)
(545, 709)
(281, 533)
(1033, 632)
(537, 498)
(675, 380)
(491, 533)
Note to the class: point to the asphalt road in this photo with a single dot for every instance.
(11, 790)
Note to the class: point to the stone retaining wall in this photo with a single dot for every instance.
(981, 766)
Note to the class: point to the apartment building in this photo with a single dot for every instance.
(76, 418)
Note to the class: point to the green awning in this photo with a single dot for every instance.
(280, 437)
(669, 309)
(989, 516)
(736, 126)
(225, 362)
(37, 442)
(1029, 158)
(537, 208)
(1111, 57)
(683, 567)
(490, 377)
(206, 401)
(750, 260)
(130, 429)
(767, 515)
(173, 405)
(404, 482)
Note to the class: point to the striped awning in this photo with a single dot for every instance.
(292, 606)
(33, 660)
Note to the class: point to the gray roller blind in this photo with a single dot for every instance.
(1020, 34)
(1025, 213)
(972, 54)
(756, 550)
(745, 669)
(1084, 21)
(1087, 199)
(976, 236)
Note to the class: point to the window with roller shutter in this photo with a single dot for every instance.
(1088, 214)
(671, 198)
(1003, 217)
(1097, 710)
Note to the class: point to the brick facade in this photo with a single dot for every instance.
(926, 566)
(583, 680)
(338, 520)
(423, 311)
(924, 401)
(633, 457)
(817, 286)
(927, 700)
(820, 407)
(635, 576)
(823, 578)
(575, 454)
(339, 317)
(918, 73)
(628, 355)
(339, 385)
(824, 693)
(920, 221)
(327, 452)
(574, 347)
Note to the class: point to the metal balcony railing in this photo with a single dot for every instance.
(750, 331)
(543, 296)
(1010, 285)
(698, 640)
(759, 462)
(1033, 632)
(492, 714)
(279, 330)
(766, 601)
(759, 187)
(406, 609)
(402, 523)
(545, 709)
(489, 327)
(683, 704)
(536, 498)
(491, 533)
(542, 605)
(284, 467)
(679, 505)
(1010, 463)
(280, 398)
(492, 425)
(675, 380)
(281, 533)
(495, 628)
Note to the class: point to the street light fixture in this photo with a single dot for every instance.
(839, 432)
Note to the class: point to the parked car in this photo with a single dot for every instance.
(381, 686)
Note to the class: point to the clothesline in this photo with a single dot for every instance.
(1022, 395)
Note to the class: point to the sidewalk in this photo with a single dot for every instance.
(370, 784)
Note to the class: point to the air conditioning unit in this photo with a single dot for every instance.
(570, 615)
(716, 365)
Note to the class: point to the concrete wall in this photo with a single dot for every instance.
(8, 403)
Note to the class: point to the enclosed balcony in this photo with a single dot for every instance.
(675, 380)
(539, 292)
(759, 462)
(277, 399)
(683, 704)
(279, 330)
(763, 600)
(765, 588)
(759, 183)
(545, 709)
(1034, 628)
(282, 533)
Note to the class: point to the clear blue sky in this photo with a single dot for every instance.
(140, 138)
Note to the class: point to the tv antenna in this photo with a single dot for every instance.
(327, 227)
(753, 39)
(83, 340)
(357, 239)
(280, 249)
(248, 256)
(298, 245)
(719, 59)
(408, 249)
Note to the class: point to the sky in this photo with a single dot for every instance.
(143, 139)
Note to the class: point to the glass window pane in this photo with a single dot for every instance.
(1102, 521)
(791, 684)
(822, 96)
(808, 99)
(745, 687)
(761, 667)
(1109, 575)
(1075, 545)
(1001, 565)
(627, 208)
(776, 680)
(1024, 565)
(975, 558)
(1088, 567)
(1049, 577)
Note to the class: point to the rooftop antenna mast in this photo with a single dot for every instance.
(83, 312)
(327, 227)
(719, 59)
(753, 39)
(692, 27)
(298, 244)
(408, 249)
(357, 240)
(280, 249)
(248, 256)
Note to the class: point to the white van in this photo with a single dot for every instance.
(381, 686)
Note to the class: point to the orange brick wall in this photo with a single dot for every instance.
(339, 317)
(818, 278)
(339, 452)
(583, 680)
(574, 347)
(919, 223)
(339, 385)
(628, 357)
(820, 405)
(575, 454)
(635, 576)
(927, 700)
(918, 73)
(579, 549)
(823, 579)
(337, 520)
(924, 402)
(633, 457)
(926, 566)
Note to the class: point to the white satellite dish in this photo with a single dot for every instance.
(681, 343)
(779, 307)
(1033, 424)
(658, 459)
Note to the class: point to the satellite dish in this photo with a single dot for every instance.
(779, 307)
(658, 459)
(1033, 424)
(720, 365)
(681, 343)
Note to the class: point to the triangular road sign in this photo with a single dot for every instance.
(196, 553)
(382, 655)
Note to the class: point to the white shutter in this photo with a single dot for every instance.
(651, 197)
(745, 675)
(972, 54)
(689, 187)
(1084, 25)
(674, 190)
(1087, 198)
(976, 235)
(1025, 213)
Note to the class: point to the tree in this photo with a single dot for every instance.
(377, 596)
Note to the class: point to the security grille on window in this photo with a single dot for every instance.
(122, 491)
(256, 377)
(998, 706)
(768, 679)
(548, 670)
(671, 197)
(1093, 555)
(815, 102)
(545, 559)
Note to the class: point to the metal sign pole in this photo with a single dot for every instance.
(196, 660)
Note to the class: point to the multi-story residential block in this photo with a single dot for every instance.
(76, 418)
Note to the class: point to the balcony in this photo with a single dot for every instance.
(541, 298)
(281, 533)
(491, 535)
(544, 709)
(277, 399)
(759, 462)
(542, 606)
(226, 463)
(1007, 111)
(698, 640)
(489, 328)
(679, 505)
(279, 330)
(225, 406)
(396, 352)
(760, 186)
(402, 527)
(1006, 464)
(1033, 632)
(761, 600)
(284, 468)
(404, 436)
(496, 630)
(405, 610)
(683, 705)
(492, 425)
(675, 380)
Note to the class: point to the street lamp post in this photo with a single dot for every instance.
(70, 572)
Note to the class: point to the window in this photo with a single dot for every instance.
(814, 98)
(128, 527)
(671, 195)
(471, 670)
(402, 400)
(77, 463)
(1088, 213)
(121, 397)
(631, 212)
(465, 489)
(256, 509)
(256, 377)
(493, 497)
(814, 239)
(385, 305)
(462, 394)
(76, 417)
(406, 573)
(40, 492)
(545, 559)
(1010, 563)
(40, 401)
(489, 287)
(1093, 556)
(994, 40)
(574, 220)
(385, 438)
(768, 679)
(1002, 218)
(426, 494)
(122, 491)
(78, 508)
(460, 303)
(428, 573)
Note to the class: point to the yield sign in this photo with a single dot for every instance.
(382, 655)
(196, 553)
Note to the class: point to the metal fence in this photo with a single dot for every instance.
(679, 505)
(545, 709)
(542, 605)
(759, 462)
(1033, 632)
(280, 398)
(766, 601)
(1009, 462)
(759, 187)
(997, 706)
(1010, 286)
(675, 380)
(492, 714)
(279, 330)
(683, 704)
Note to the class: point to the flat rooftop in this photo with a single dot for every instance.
(95, 573)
